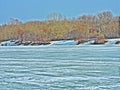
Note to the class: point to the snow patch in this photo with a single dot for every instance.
(64, 42)
(112, 41)
(7, 43)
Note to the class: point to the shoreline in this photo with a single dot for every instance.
(61, 42)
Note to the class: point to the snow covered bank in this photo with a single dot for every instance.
(7, 43)
(61, 42)
(64, 42)
(107, 42)
(112, 41)
(19, 43)
(89, 42)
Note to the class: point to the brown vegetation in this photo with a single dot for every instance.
(57, 27)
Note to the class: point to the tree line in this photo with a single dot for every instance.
(57, 27)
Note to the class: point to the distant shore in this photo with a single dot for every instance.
(60, 42)
(95, 29)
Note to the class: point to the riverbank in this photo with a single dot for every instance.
(60, 42)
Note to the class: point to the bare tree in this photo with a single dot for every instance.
(55, 17)
(14, 21)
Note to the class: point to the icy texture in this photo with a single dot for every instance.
(112, 41)
(7, 43)
(64, 42)
(60, 67)
(89, 42)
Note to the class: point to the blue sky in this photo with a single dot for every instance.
(27, 10)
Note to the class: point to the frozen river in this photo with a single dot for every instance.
(63, 67)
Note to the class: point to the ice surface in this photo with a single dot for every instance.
(58, 67)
